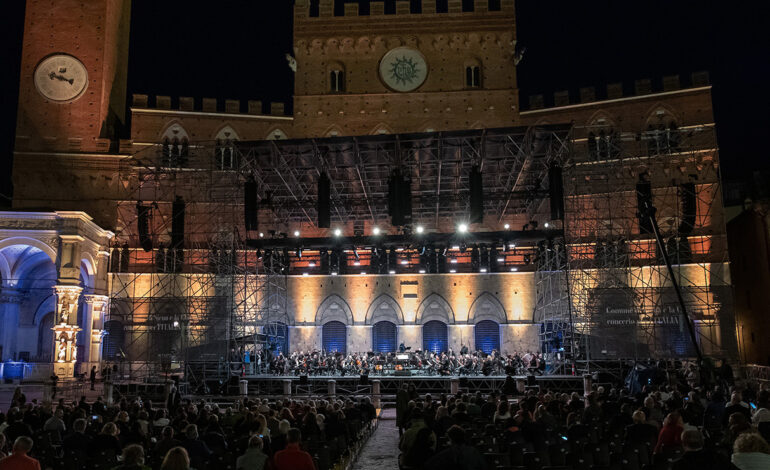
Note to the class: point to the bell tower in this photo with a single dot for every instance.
(72, 96)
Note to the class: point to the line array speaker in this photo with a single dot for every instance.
(643, 198)
(251, 204)
(477, 196)
(143, 226)
(556, 192)
(324, 201)
(399, 198)
(177, 222)
(689, 207)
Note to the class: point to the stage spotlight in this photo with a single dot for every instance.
(419, 229)
(334, 273)
(261, 235)
(305, 274)
(452, 271)
(176, 324)
(501, 260)
(337, 232)
(403, 261)
(462, 228)
(514, 269)
(356, 263)
(483, 270)
(363, 273)
(296, 233)
(422, 271)
(545, 225)
(506, 226)
(376, 230)
(311, 264)
(453, 261)
(392, 271)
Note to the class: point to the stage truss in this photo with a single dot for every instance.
(603, 290)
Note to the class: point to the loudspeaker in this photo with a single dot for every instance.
(177, 222)
(399, 198)
(324, 201)
(477, 196)
(303, 379)
(364, 380)
(531, 381)
(143, 226)
(689, 207)
(250, 204)
(556, 192)
(643, 199)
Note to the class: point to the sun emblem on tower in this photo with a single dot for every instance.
(404, 70)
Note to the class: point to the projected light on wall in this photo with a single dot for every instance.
(384, 337)
(334, 337)
(434, 336)
(487, 333)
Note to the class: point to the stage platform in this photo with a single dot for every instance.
(272, 385)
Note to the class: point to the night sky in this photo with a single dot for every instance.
(235, 49)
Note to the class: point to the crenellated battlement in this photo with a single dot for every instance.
(320, 9)
(617, 90)
(209, 105)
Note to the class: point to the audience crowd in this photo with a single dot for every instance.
(251, 434)
(666, 426)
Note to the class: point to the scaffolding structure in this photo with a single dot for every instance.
(604, 293)
(198, 286)
(191, 298)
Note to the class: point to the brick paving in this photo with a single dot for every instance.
(381, 451)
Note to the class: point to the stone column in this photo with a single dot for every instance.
(376, 397)
(287, 387)
(10, 301)
(65, 330)
(454, 385)
(94, 310)
(332, 384)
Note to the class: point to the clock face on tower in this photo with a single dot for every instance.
(61, 77)
(403, 69)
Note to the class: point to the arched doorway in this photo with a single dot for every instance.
(487, 335)
(384, 337)
(435, 337)
(334, 337)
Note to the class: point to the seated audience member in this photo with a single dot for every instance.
(292, 457)
(640, 431)
(166, 442)
(19, 460)
(695, 457)
(670, 437)
(197, 450)
(253, 458)
(751, 452)
(458, 455)
(176, 459)
(417, 443)
(133, 458)
(78, 441)
(55, 422)
(107, 440)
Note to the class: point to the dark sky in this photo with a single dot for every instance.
(235, 49)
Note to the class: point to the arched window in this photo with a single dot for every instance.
(334, 336)
(473, 76)
(113, 340)
(277, 134)
(487, 333)
(435, 337)
(224, 148)
(384, 337)
(662, 134)
(45, 338)
(337, 80)
(603, 141)
(175, 147)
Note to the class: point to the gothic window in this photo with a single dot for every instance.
(603, 141)
(337, 80)
(277, 134)
(663, 135)
(384, 335)
(224, 149)
(487, 336)
(435, 337)
(175, 147)
(473, 76)
(334, 337)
